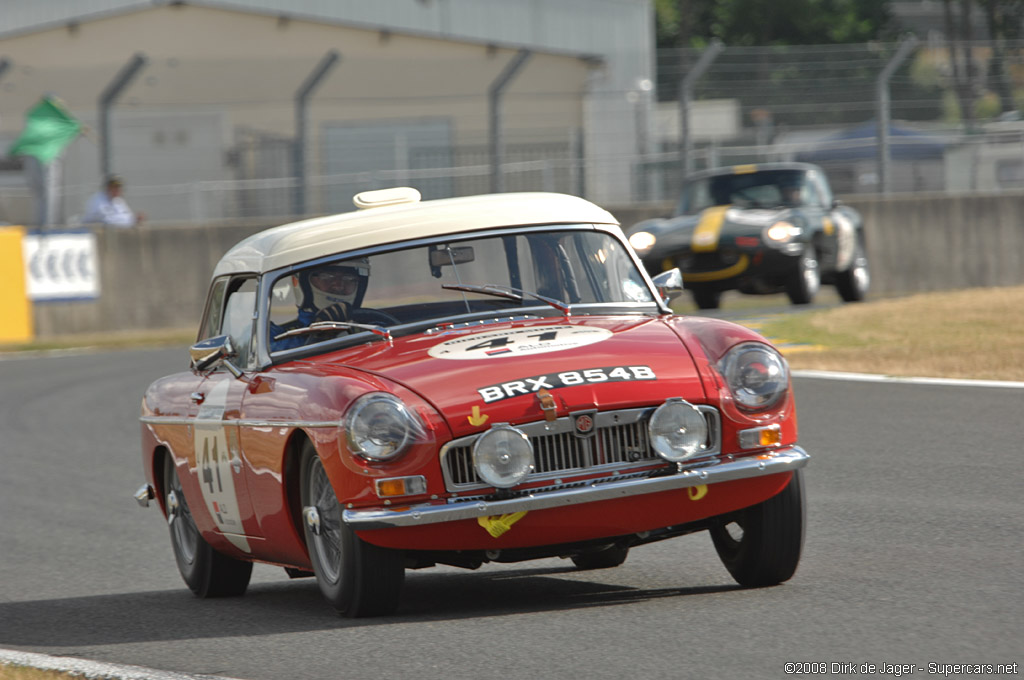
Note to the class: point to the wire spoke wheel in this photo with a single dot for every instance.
(761, 545)
(356, 577)
(327, 543)
(207, 572)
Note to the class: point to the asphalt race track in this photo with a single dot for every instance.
(913, 556)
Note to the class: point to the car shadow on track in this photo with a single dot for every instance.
(297, 606)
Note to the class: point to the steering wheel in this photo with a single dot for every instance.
(373, 316)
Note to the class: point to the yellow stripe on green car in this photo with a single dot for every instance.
(709, 229)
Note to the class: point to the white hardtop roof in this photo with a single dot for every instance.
(319, 237)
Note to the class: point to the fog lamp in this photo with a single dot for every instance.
(503, 456)
(678, 430)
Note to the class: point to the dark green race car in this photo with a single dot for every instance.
(758, 229)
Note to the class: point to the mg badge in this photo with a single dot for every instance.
(584, 424)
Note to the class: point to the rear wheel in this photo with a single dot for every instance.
(206, 572)
(357, 578)
(853, 284)
(805, 281)
(761, 545)
(706, 298)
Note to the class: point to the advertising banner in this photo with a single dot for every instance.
(61, 266)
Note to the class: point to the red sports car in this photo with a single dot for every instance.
(462, 381)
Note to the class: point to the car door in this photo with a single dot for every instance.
(220, 460)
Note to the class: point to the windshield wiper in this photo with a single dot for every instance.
(508, 293)
(321, 326)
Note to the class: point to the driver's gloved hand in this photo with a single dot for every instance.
(339, 311)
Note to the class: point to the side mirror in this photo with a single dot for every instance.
(670, 284)
(206, 354)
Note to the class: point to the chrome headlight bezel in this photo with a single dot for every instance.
(678, 431)
(503, 446)
(380, 427)
(756, 374)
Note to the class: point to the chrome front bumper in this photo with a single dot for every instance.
(782, 460)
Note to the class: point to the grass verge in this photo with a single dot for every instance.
(976, 334)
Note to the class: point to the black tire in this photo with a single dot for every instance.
(207, 572)
(357, 578)
(805, 281)
(706, 298)
(853, 283)
(761, 545)
(609, 557)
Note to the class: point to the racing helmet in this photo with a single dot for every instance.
(328, 284)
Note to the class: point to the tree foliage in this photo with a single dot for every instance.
(691, 23)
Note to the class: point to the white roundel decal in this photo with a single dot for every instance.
(519, 342)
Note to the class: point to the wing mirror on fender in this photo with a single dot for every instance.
(206, 354)
(670, 284)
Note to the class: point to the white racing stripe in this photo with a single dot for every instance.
(871, 377)
(94, 669)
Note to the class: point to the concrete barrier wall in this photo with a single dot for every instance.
(157, 277)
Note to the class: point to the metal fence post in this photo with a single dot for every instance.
(302, 97)
(494, 94)
(107, 100)
(882, 102)
(685, 97)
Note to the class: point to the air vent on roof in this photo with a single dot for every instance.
(383, 197)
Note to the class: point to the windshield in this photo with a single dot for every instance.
(552, 271)
(762, 189)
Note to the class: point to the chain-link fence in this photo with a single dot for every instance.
(879, 117)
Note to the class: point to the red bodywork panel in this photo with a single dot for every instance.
(459, 383)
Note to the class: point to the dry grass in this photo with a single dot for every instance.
(12, 672)
(976, 333)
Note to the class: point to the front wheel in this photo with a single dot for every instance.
(853, 283)
(805, 281)
(706, 298)
(357, 578)
(206, 572)
(761, 545)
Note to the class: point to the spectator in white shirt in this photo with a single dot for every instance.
(107, 207)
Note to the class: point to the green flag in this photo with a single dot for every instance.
(48, 129)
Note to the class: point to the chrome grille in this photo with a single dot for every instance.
(619, 441)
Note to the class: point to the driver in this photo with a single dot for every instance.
(790, 191)
(325, 293)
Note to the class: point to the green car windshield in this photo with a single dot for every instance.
(761, 189)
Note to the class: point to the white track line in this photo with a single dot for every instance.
(871, 377)
(95, 669)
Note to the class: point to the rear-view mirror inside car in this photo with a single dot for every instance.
(448, 255)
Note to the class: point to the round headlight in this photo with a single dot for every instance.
(642, 241)
(678, 430)
(756, 375)
(503, 456)
(782, 232)
(378, 426)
